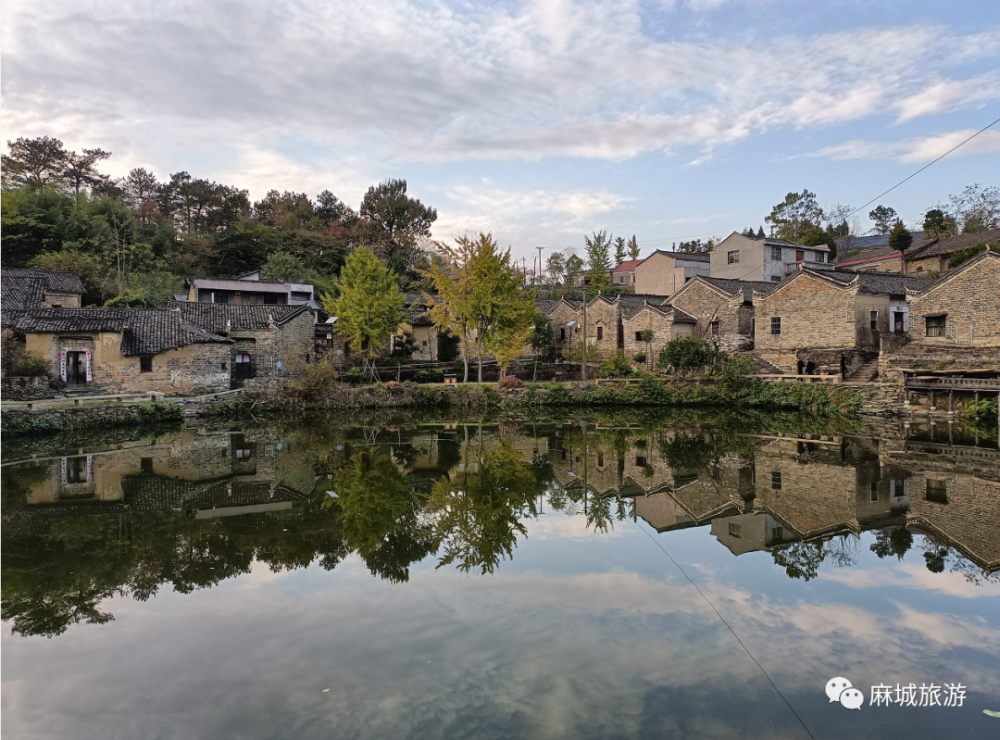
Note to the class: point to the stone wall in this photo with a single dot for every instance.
(47, 421)
(707, 304)
(919, 355)
(813, 312)
(272, 348)
(66, 300)
(648, 318)
(197, 368)
(26, 389)
(602, 320)
(970, 300)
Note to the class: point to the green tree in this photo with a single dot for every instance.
(633, 248)
(977, 208)
(80, 170)
(647, 336)
(555, 265)
(939, 224)
(451, 307)
(599, 261)
(900, 238)
(883, 218)
(685, 354)
(621, 250)
(795, 215)
(34, 163)
(542, 338)
(369, 308)
(391, 222)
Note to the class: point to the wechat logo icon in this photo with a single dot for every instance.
(840, 689)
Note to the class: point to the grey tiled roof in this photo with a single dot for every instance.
(847, 256)
(869, 283)
(225, 317)
(952, 244)
(692, 256)
(143, 331)
(21, 292)
(55, 282)
(732, 287)
(851, 243)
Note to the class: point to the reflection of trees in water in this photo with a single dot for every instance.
(478, 514)
(802, 559)
(379, 515)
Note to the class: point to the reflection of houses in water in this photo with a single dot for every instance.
(813, 489)
(210, 474)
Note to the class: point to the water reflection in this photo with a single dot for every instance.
(192, 508)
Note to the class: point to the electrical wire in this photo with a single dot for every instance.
(723, 619)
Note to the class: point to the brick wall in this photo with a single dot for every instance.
(971, 300)
(191, 370)
(663, 328)
(707, 304)
(66, 300)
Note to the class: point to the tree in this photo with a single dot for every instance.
(900, 238)
(34, 162)
(620, 250)
(795, 215)
(450, 273)
(81, 169)
(542, 338)
(369, 308)
(574, 268)
(977, 208)
(883, 217)
(647, 335)
(599, 260)
(391, 222)
(938, 223)
(555, 265)
(633, 248)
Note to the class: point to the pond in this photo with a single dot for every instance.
(600, 575)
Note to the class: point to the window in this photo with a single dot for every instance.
(777, 534)
(145, 363)
(600, 333)
(734, 529)
(873, 320)
(775, 278)
(638, 336)
(776, 325)
(821, 257)
(562, 335)
(775, 481)
(776, 254)
(270, 300)
(146, 466)
(640, 461)
(734, 257)
(220, 297)
(874, 491)
(715, 328)
(799, 255)
(937, 491)
(937, 326)
(600, 459)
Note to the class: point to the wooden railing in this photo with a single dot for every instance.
(799, 378)
(936, 382)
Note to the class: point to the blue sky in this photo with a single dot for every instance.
(539, 121)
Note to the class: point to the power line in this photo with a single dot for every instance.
(963, 143)
(723, 619)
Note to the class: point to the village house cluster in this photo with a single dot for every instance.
(872, 313)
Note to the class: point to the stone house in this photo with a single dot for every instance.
(264, 338)
(662, 272)
(761, 259)
(834, 318)
(418, 321)
(927, 256)
(666, 322)
(126, 350)
(24, 289)
(566, 316)
(960, 308)
(624, 274)
(605, 322)
(723, 310)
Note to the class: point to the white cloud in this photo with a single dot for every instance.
(947, 95)
(915, 150)
(910, 575)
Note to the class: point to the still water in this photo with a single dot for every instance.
(599, 576)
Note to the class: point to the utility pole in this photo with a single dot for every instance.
(539, 262)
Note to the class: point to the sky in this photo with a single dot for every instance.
(538, 121)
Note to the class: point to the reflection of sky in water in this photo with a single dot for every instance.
(581, 635)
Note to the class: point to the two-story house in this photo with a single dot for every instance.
(663, 273)
(761, 259)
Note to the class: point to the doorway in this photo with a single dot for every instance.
(76, 368)
(898, 322)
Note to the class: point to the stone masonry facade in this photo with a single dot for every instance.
(968, 302)
(721, 317)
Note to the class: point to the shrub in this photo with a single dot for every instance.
(393, 387)
(30, 365)
(510, 383)
(684, 354)
(616, 366)
(428, 376)
(354, 375)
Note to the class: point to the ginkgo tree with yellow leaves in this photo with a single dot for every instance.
(369, 308)
(482, 298)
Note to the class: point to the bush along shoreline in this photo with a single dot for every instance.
(288, 397)
(52, 421)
